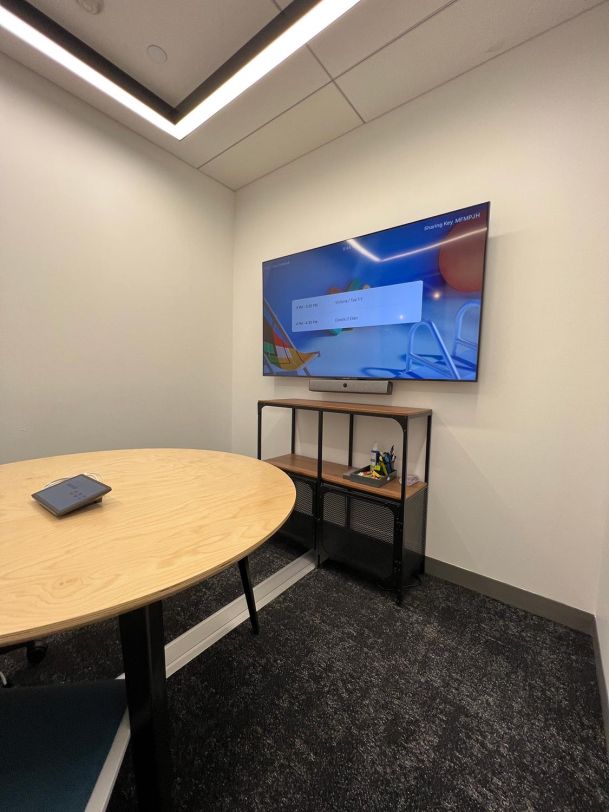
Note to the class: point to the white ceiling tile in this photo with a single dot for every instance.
(316, 120)
(197, 35)
(462, 36)
(297, 77)
(456, 39)
(368, 26)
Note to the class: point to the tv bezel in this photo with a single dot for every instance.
(370, 234)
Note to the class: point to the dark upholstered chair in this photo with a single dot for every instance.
(54, 741)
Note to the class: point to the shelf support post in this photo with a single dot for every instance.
(318, 499)
(259, 438)
(398, 540)
(426, 495)
(320, 443)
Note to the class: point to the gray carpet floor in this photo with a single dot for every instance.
(347, 702)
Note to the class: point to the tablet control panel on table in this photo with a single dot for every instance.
(71, 494)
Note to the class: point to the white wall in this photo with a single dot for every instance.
(115, 284)
(519, 462)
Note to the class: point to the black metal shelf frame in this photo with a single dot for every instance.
(400, 574)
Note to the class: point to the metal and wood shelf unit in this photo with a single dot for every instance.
(378, 531)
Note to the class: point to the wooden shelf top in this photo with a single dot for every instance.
(372, 409)
(333, 472)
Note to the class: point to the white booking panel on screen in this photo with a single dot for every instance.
(369, 307)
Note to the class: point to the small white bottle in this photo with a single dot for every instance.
(374, 456)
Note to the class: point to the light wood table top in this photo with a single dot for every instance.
(174, 517)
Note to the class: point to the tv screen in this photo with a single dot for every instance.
(403, 303)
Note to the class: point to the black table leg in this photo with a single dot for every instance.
(143, 645)
(244, 570)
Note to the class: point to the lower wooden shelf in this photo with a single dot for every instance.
(333, 472)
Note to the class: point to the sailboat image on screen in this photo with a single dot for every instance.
(279, 351)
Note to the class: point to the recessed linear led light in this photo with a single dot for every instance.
(294, 37)
(48, 47)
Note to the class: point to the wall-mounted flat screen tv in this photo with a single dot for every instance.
(403, 303)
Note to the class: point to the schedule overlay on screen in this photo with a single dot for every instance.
(400, 303)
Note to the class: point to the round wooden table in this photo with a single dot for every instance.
(174, 517)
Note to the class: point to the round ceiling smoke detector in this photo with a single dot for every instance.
(91, 6)
(156, 54)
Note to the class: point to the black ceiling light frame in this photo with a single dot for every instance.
(45, 25)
